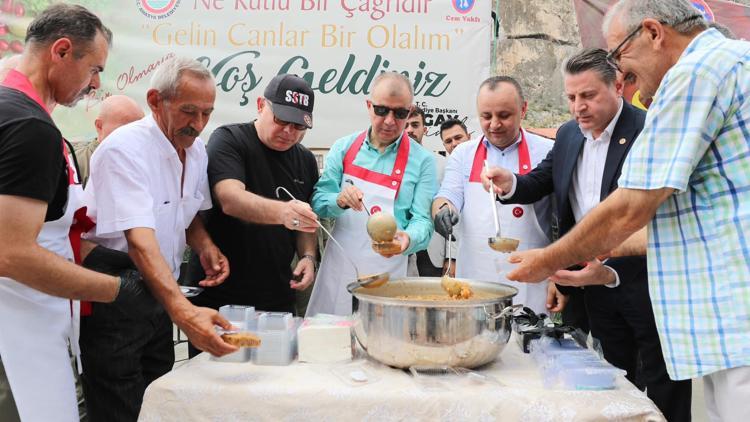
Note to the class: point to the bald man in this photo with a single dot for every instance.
(115, 111)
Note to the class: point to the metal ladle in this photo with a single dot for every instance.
(497, 242)
(451, 286)
(369, 281)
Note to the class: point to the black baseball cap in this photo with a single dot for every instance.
(292, 99)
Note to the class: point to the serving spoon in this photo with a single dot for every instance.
(368, 281)
(497, 242)
(451, 286)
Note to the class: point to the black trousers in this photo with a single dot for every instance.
(574, 314)
(623, 320)
(425, 267)
(121, 355)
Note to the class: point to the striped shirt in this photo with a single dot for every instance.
(696, 140)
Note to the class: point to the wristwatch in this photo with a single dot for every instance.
(311, 258)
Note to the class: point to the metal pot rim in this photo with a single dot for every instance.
(361, 294)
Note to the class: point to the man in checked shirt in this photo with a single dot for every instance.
(688, 178)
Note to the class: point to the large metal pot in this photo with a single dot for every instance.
(406, 332)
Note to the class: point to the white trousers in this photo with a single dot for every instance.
(727, 395)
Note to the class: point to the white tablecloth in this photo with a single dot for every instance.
(203, 390)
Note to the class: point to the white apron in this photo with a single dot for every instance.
(475, 259)
(35, 327)
(329, 294)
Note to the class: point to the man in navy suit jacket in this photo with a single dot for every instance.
(581, 170)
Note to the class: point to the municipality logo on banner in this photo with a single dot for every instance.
(157, 9)
(463, 6)
(705, 10)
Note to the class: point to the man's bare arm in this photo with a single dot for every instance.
(635, 245)
(237, 202)
(608, 225)
(143, 249)
(22, 259)
(196, 322)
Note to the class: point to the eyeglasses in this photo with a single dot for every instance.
(382, 111)
(613, 56)
(280, 122)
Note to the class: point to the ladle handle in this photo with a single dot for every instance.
(343, 251)
(367, 210)
(492, 201)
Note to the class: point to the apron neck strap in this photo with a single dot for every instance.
(392, 181)
(524, 159)
(20, 82)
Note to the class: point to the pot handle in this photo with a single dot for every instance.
(502, 314)
(351, 286)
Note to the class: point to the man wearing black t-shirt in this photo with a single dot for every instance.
(66, 49)
(258, 231)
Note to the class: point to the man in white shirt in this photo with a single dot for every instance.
(581, 170)
(147, 184)
(501, 108)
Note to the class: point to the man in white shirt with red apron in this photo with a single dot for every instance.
(385, 170)
(66, 49)
(501, 107)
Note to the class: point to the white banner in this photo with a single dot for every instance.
(338, 46)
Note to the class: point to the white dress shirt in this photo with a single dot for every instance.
(586, 186)
(135, 182)
(461, 160)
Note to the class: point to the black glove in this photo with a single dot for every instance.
(445, 219)
(108, 261)
(133, 295)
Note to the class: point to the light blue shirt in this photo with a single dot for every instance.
(696, 140)
(412, 206)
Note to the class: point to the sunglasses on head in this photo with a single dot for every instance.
(382, 111)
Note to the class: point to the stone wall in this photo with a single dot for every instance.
(535, 37)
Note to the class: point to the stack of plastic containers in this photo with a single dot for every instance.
(564, 364)
(244, 319)
(277, 332)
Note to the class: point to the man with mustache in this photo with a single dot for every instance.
(147, 184)
(259, 231)
(389, 172)
(501, 107)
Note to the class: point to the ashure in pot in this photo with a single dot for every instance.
(397, 328)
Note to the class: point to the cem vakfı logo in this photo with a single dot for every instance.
(706, 11)
(463, 6)
(157, 9)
